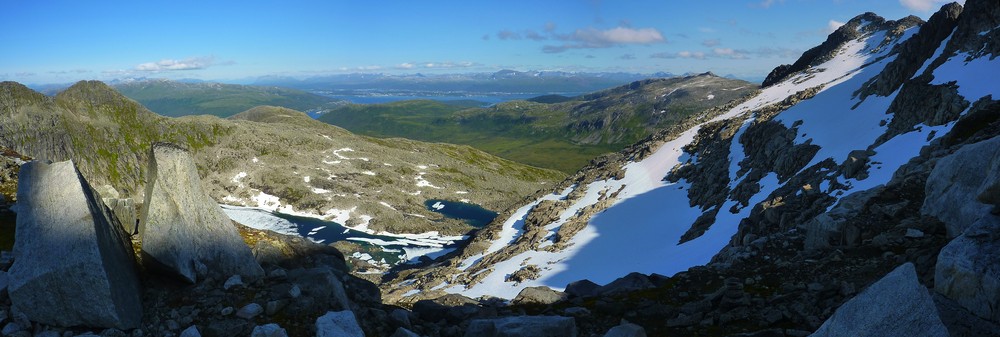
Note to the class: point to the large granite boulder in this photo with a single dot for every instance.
(968, 269)
(964, 186)
(183, 230)
(72, 265)
(896, 305)
(523, 326)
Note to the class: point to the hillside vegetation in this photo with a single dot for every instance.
(564, 135)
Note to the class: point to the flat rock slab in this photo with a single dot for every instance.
(183, 229)
(964, 186)
(338, 324)
(896, 305)
(72, 265)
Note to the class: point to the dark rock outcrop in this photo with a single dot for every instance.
(72, 265)
(896, 305)
(183, 230)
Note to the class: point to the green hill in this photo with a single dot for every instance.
(174, 99)
(563, 135)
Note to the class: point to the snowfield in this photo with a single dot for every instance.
(640, 231)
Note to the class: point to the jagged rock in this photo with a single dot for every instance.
(403, 332)
(582, 288)
(191, 331)
(856, 164)
(960, 181)
(968, 269)
(896, 305)
(626, 329)
(183, 227)
(269, 330)
(4, 281)
(228, 328)
(518, 326)
(338, 324)
(631, 282)
(91, 278)
(538, 295)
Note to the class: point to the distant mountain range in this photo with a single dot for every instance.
(503, 81)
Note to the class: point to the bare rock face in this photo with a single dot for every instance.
(73, 265)
(968, 269)
(183, 230)
(960, 184)
(896, 305)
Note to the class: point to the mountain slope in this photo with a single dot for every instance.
(270, 158)
(175, 99)
(746, 172)
(564, 135)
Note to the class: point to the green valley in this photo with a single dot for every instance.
(556, 132)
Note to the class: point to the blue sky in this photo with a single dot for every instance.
(65, 41)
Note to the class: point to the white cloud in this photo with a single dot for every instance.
(766, 3)
(729, 53)
(711, 43)
(596, 38)
(832, 26)
(925, 5)
(435, 65)
(186, 64)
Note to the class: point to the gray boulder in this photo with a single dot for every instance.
(539, 295)
(631, 282)
(896, 305)
(961, 185)
(968, 269)
(626, 329)
(71, 265)
(183, 227)
(338, 324)
(269, 330)
(523, 326)
(582, 288)
(191, 331)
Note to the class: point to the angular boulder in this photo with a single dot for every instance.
(896, 305)
(523, 326)
(968, 269)
(183, 230)
(964, 186)
(72, 266)
(338, 324)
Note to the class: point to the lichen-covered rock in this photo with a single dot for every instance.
(523, 326)
(183, 227)
(960, 181)
(968, 269)
(72, 265)
(896, 305)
